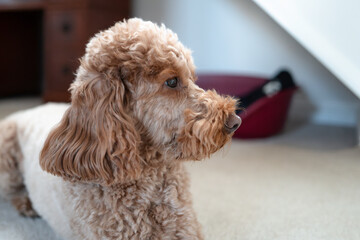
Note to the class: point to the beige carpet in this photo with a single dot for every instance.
(272, 189)
(302, 184)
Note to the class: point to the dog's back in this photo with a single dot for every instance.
(22, 136)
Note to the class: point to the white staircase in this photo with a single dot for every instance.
(328, 29)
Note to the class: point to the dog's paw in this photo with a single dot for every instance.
(24, 207)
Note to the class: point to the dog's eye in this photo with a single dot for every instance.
(172, 83)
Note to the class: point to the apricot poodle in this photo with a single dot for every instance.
(110, 165)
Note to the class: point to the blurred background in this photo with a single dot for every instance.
(42, 41)
(306, 174)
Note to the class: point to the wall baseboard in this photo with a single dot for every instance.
(358, 127)
(329, 113)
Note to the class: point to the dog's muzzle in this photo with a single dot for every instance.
(232, 123)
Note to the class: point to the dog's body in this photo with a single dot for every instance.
(114, 212)
(25, 133)
(111, 162)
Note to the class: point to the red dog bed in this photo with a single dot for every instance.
(263, 103)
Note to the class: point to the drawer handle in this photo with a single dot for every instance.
(65, 70)
(66, 27)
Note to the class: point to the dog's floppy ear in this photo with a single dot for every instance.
(96, 140)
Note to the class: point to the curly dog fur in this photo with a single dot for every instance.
(110, 165)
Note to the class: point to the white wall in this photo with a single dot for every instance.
(235, 36)
(329, 29)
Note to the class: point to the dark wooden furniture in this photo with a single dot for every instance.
(44, 40)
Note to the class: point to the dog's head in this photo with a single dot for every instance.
(135, 97)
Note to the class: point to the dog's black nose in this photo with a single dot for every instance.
(232, 123)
